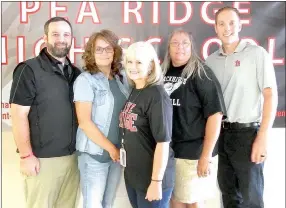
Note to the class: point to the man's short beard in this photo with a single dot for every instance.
(56, 52)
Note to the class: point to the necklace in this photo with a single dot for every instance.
(136, 96)
(123, 124)
(129, 99)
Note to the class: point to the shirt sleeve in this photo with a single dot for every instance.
(160, 117)
(83, 91)
(23, 90)
(210, 93)
(265, 70)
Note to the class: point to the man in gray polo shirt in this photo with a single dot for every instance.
(248, 82)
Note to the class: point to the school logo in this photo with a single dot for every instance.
(128, 118)
(171, 84)
(237, 63)
(171, 87)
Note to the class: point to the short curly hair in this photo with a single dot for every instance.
(88, 55)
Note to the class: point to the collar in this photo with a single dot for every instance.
(180, 68)
(50, 63)
(54, 61)
(241, 45)
(100, 75)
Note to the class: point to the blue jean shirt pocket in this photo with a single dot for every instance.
(100, 97)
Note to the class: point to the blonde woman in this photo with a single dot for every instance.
(146, 122)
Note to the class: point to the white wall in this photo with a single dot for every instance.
(12, 194)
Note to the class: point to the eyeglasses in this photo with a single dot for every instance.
(99, 50)
(177, 44)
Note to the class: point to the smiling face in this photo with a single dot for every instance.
(228, 26)
(180, 48)
(103, 53)
(58, 39)
(137, 64)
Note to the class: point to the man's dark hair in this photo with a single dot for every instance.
(55, 19)
(226, 8)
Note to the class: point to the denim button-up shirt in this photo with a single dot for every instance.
(95, 88)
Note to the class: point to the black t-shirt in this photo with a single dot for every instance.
(194, 100)
(147, 118)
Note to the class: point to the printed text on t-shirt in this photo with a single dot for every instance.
(127, 118)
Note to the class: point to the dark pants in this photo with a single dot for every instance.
(137, 198)
(240, 180)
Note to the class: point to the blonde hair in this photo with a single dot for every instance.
(194, 64)
(155, 77)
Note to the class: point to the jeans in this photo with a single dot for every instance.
(137, 198)
(240, 180)
(99, 181)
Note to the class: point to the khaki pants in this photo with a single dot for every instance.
(56, 185)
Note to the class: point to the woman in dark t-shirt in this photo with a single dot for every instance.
(146, 127)
(198, 108)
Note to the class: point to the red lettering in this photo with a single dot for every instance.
(21, 52)
(280, 113)
(55, 9)
(4, 50)
(127, 11)
(91, 12)
(26, 10)
(133, 117)
(75, 50)
(39, 45)
(173, 16)
(204, 12)
(206, 46)
(243, 11)
(271, 51)
(156, 16)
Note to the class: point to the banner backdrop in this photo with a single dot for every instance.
(23, 22)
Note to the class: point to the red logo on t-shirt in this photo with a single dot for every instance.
(127, 118)
(237, 63)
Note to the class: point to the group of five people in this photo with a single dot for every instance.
(175, 127)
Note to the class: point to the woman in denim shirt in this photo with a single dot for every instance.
(99, 94)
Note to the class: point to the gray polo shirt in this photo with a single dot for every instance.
(243, 75)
